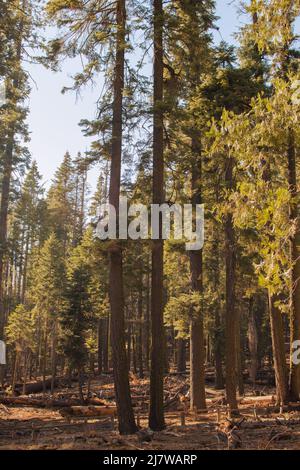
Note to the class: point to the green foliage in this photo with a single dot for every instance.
(75, 316)
(47, 280)
(180, 309)
(20, 330)
(222, 104)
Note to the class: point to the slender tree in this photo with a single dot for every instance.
(116, 293)
(12, 120)
(156, 414)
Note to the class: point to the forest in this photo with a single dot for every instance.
(140, 343)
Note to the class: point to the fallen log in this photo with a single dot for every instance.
(50, 403)
(39, 386)
(88, 411)
(36, 387)
(23, 401)
(270, 423)
(251, 400)
(214, 393)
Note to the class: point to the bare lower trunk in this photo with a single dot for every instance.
(134, 355)
(106, 345)
(156, 413)
(252, 343)
(44, 364)
(53, 358)
(239, 365)
(278, 344)
(197, 351)
(147, 325)
(26, 363)
(219, 382)
(140, 333)
(294, 380)
(120, 366)
(100, 345)
(230, 309)
(80, 384)
(181, 355)
(15, 371)
(5, 190)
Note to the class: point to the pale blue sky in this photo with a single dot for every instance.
(54, 118)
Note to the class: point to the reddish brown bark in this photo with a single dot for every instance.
(156, 415)
(120, 365)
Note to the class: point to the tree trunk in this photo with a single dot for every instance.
(147, 323)
(252, 342)
(100, 345)
(239, 365)
(24, 283)
(208, 350)
(44, 365)
(5, 191)
(53, 355)
(276, 325)
(134, 355)
(26, 360)
(120, 366)
(80, 384)
(294, 381)
(106, 344)
(181, 355)
(7, 168)
(15, 371)
(230, 309)
(129, 346)
(197, 350)
(219, 383)
(140, 332)
(156, 414)
(277, 333)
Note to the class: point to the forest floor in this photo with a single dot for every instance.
(263, 426)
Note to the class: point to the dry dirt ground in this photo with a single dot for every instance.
(263, 426)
